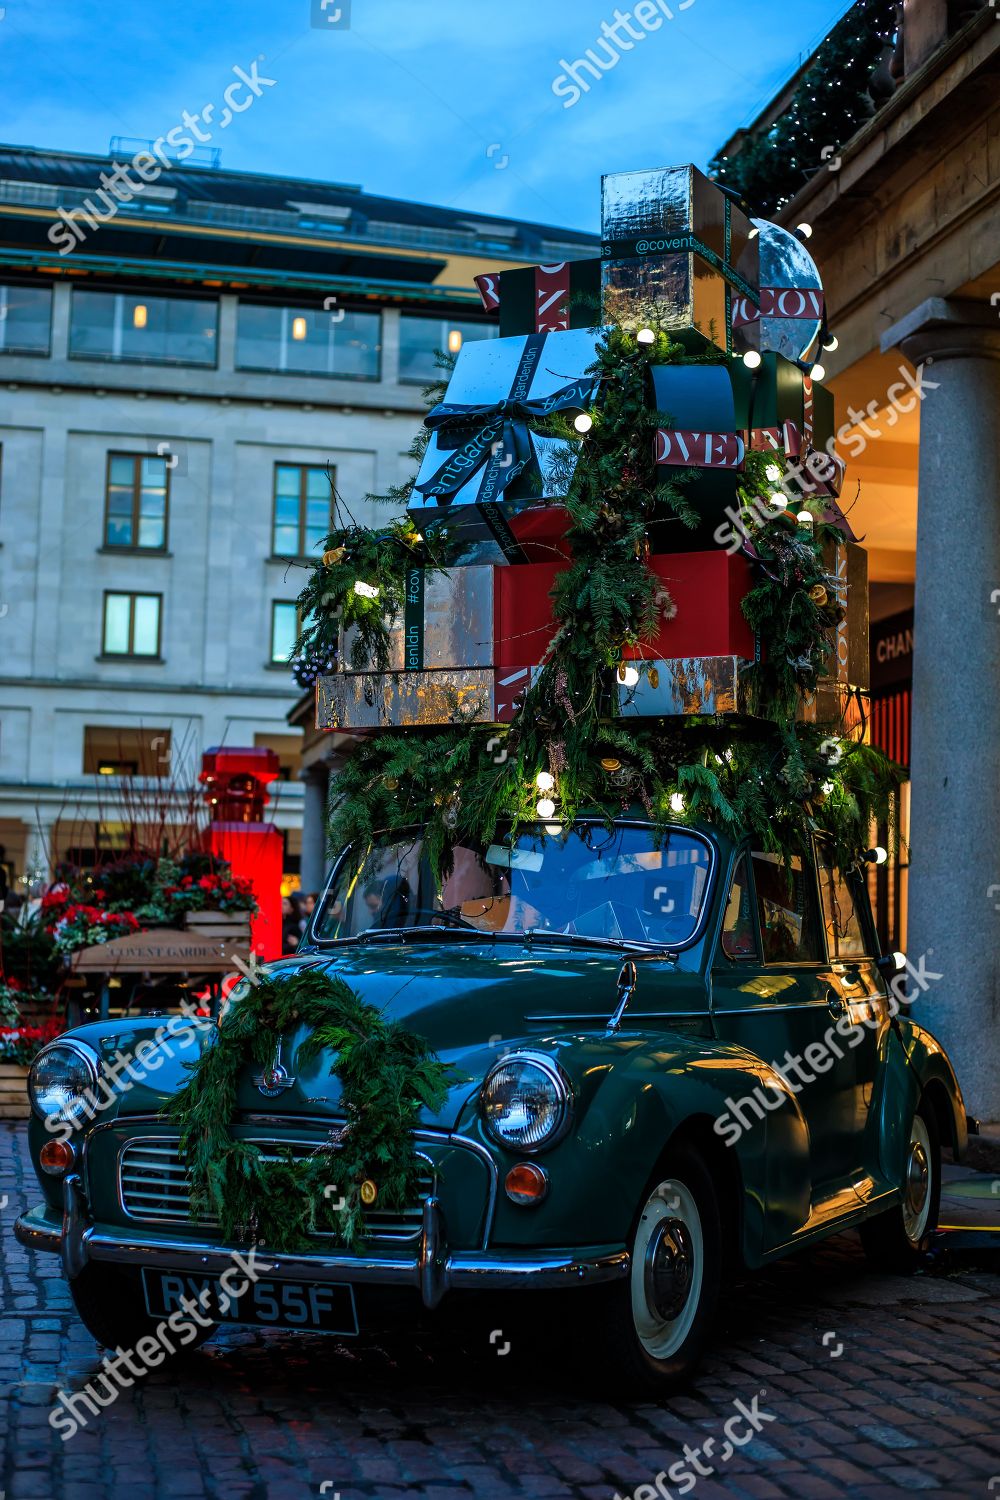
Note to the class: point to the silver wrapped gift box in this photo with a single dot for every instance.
(677, 252)
(485, 470)
(448, 621)
(364, 701)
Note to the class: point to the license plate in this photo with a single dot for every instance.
(322, 1308)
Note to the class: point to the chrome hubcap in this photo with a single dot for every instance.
(919, 1184)
(669, 1267)
(918, 1179)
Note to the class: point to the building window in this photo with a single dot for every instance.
(25, 319)
(135, 503)
(125, 752)
(140, 328)
(132, 624)
(304, 341)
(287, 747)
(284, 629)
(303, 509)
(420, 339)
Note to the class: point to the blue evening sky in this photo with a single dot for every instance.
(449, 103)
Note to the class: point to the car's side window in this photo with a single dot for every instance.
(739, 937)
(845, 930)
(790, 930)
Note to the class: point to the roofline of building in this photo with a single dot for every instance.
(456, 215)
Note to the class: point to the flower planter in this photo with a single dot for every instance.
(13, 1091)
(233, 926)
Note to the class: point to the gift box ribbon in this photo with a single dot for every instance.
(817, 473)
(675, 244)
(496, 436)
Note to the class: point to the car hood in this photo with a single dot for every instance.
(471, 1002)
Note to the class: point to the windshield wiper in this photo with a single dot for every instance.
(580, 940)
(464, 933)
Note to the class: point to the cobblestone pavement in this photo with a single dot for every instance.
(877, 1385)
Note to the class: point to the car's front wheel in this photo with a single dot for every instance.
(111, 1306)
(653, 1327)
(895, 1240)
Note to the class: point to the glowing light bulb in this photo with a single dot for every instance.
(876, 856)
(805, 230)
(298, 329)
(366, 590)
(831, 342)
(139, 315)
(818, 372)
(645, 336)
(545, 807)
(899, 959)
(584, 422)
(752, 359)
(627, 675)
(778, 499)
(454, 340)
(545, 781)
(676, 802)
(805, 518)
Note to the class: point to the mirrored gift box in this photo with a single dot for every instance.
(488, 472)
(677, 253)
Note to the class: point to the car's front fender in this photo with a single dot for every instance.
(632, 1094)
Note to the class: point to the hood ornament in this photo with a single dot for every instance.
(275, 1079)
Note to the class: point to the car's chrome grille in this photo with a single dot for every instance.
(154, 1187)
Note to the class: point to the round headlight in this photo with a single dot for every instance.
(60, 1077)
(526, 1102)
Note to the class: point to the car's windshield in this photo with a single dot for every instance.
(622, 885)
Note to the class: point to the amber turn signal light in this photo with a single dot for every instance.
(56, 1157)
(526, 1183)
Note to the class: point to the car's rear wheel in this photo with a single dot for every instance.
(653, 1326)
(111, 1306)
(895, 1240)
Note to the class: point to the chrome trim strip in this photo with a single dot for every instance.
(763, 1009)
(37, 1236)
(601, 1017)
(433, 1271)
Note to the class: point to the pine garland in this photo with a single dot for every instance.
(386, 1073)
(768, 775)
(831, 102)
(777, 784)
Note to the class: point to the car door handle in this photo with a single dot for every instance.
(838, 1005)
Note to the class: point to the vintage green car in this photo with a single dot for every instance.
(677, 1058)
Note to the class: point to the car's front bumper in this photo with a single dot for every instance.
(433, 1271)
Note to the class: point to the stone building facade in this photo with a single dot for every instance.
(175, 389)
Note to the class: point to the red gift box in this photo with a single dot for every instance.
(707, 588)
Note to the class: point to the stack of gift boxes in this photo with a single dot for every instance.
(678, 254)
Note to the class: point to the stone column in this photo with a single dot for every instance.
(955, 831)
(314, 857)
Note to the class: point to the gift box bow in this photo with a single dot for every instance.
(496, 433)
